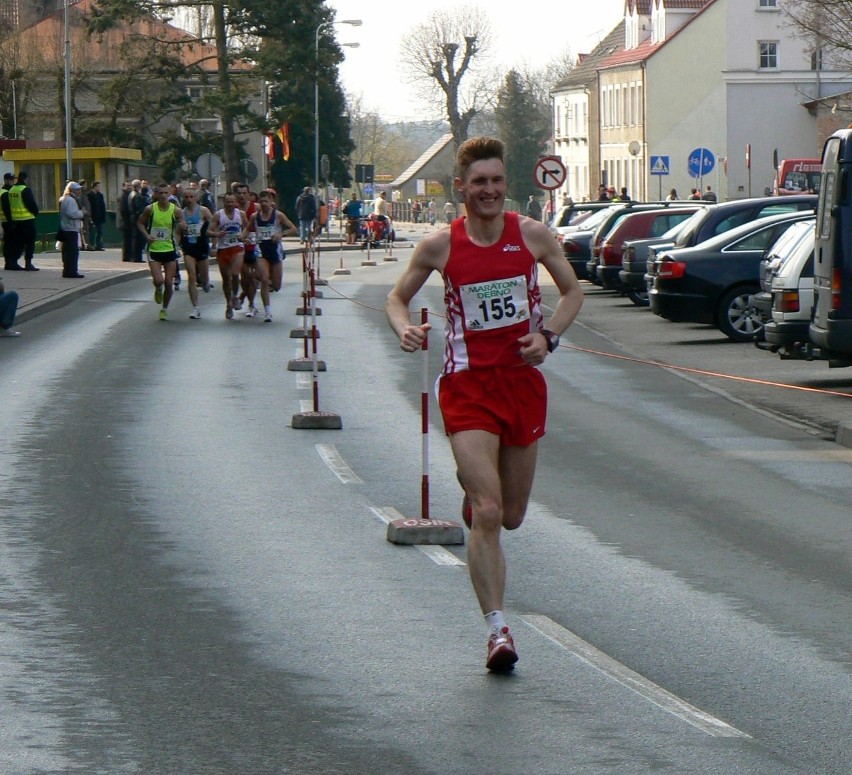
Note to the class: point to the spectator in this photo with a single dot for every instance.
(9, 257)
(709, 195)
(533, 208)
(433, 212)
(22, 210)
(694, 194)
(672, 197)
(602, 194)
(139, 200)
(205, 198)
(352, 211)
(97, 206)
(449, 211)
(306, 213)
(8, 308)
(83, 200)
(123, 220)
(71, 217)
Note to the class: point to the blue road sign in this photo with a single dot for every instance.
(701, 162)
(659, 165)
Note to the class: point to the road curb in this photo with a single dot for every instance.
(64, 299)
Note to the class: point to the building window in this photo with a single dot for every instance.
(768, 55)
(768, 3)
(816, 59)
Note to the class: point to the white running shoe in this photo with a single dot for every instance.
(267, 318)
(196, 314)
(251, 312)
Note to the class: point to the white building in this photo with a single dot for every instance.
(719, 75)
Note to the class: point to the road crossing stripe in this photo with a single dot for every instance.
(633, 681)
(331, 457)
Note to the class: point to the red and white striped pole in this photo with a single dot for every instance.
(424, 411)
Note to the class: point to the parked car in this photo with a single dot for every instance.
(616, 212)
(719, 218)
(792, 298)
(634, 259)
(714, 281)
(573, 214)
(644, 223)
(784, 247)
(576, 241)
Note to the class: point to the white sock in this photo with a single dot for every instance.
(268, 310)
(495, 622)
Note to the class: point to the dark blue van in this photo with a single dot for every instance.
(831, 327)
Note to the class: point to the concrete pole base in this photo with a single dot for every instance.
(440, 532)
(307, 311)
(319, 281)
(304, 364)
(342, 271)
(300, 333)
(322, 421)
(369, 263)
(390, 258)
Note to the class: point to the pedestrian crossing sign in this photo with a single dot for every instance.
(659, 165)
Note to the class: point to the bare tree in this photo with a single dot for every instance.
(441, 54)
(828, 23)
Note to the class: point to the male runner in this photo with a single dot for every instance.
(492, 398)
(270, 224)
(158, 223)
(249, 273)
(229, 224)
(196, 248)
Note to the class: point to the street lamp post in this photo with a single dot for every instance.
(353, 23)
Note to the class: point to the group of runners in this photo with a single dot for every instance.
(244, 236)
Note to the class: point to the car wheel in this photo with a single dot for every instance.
(736, 317)
(639, 298)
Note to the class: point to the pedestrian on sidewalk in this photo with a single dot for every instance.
(9, 261)
(22, 210)
(123, 220)
(70, 223)
(8, 309)
(492, 397)
(97, 206)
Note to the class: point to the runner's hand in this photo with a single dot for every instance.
(533, 348)
(413, 337)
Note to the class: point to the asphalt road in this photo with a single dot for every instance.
(190, 585)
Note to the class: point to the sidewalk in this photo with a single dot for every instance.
(47, 290)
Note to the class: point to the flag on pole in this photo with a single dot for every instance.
(284, 136)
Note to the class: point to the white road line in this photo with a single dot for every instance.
(437, 554)
(306, 405)
(304, 380)
(633, 681)
(331, 457)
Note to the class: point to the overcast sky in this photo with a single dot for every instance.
(532, 33)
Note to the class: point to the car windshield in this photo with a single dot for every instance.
(686, 228)
(594, 218)
(786, 242)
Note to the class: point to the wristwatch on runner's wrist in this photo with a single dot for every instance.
(552, 339)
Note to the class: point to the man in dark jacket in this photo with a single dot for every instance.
(19, 206)
(124, 222)
(97, 205)
(9, 260)
(139, 200)
(306, 213)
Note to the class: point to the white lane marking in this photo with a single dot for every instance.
(304, 380)
(331, 457)
(437, 554)
(633, 681)
(306, 405)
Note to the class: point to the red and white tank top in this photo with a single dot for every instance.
(492, 298)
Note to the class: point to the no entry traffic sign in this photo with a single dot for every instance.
(549, 172)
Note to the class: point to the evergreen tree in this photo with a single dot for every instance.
(524, 128)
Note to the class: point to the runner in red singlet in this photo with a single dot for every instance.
(492, 398)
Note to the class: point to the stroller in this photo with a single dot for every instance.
(376, 231)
